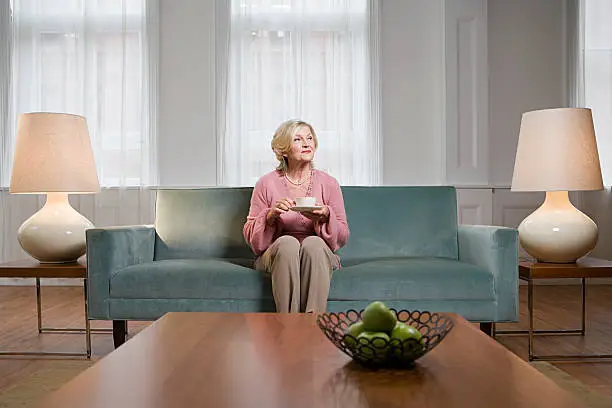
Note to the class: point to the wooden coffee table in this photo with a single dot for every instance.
(283, 360)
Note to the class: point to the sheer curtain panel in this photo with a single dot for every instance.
(316, 60)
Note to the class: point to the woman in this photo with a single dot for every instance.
(297, 249)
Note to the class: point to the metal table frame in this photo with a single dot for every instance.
(532, 333)
(87, 330)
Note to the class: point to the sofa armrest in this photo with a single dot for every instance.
(108, 250)
(494, 249)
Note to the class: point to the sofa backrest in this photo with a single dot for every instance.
(387, 221)
(384, 221)
(202, 223)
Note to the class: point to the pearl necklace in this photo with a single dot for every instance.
(297, 183)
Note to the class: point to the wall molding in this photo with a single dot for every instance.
(466, 91)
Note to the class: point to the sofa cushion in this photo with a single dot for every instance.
(190, 279)
(202, 223)
(412, 279)
(387, 222)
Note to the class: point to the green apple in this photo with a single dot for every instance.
(354, 330)
(376, 346)
(403, 331)
(410, 340)
(377, 317)
(375, 338)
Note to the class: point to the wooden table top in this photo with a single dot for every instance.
(283, 360)
(31, 268)
(587, 267)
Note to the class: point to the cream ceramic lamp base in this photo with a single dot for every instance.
(557, 231)
(56, 233)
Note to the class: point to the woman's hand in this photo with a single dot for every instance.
(280, 207)
(318, 216)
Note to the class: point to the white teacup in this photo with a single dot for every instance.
(305, 201)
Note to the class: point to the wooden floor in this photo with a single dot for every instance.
(556, 307)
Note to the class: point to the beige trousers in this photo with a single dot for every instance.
(300, 273)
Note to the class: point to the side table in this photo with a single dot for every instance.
(530, 270)
(31, 268)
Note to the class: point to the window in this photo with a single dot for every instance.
(315, 60)
(596, 84)
(95, 58)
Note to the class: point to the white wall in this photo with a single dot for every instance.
(526, 72)
(187, 142)
(412, 70)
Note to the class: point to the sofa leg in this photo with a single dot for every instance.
(487, 327)
(119, 332)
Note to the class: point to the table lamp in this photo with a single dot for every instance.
(557, 153)
(53, 156)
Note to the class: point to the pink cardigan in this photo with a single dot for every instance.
(272, 187)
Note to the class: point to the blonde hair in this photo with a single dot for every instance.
(283, 138)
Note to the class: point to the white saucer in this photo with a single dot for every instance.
(306, 208)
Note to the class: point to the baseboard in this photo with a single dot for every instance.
(43, 282)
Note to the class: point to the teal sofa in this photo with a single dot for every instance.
(405, 248)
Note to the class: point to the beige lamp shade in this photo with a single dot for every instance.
(53, 154)
(557, 151)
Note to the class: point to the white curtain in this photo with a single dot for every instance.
(316, 60)
(93, 58)
(592, 68)
(99, 59)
